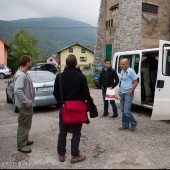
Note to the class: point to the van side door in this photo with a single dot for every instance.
(162, 97)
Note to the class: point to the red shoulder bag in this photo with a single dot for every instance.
(73, 112)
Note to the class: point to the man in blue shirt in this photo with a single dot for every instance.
(127, 87)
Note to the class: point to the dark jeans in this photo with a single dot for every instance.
(106, 104)
(62, 138)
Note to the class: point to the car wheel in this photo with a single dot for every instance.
(8, 100)
(2, 76)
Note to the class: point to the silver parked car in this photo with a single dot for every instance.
(43, 82)
(4, 71)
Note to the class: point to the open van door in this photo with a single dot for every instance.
(161, 105)
(134, 58)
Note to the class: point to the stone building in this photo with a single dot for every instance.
(131, 25)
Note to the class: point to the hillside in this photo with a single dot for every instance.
(53, 34)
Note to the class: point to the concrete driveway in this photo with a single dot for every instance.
(104, 146)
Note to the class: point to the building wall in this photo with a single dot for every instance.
(132, 29)
(3, 53)
(155, 27)
(101, 35)
(77, 52)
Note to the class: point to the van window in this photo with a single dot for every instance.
(166, 62)
(133, 61)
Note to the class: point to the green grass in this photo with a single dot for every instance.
(90, 81)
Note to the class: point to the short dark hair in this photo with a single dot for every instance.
(107, 60)
(24, 60)
(71, 61)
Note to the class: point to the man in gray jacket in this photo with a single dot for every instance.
(24, 97)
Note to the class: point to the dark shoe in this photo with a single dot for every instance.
(122, 128)
(114, 116)
(132, 129)
(29, 142)
(76, 159)
(61, 158)
(105, 114)
(25, 150)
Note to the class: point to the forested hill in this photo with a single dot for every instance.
(53, 34)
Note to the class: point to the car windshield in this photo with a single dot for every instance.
(8, 67)
(41, 77)
(98, 70)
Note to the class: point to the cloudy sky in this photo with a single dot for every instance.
(82, 10)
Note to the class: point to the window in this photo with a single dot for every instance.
(111, 23)
(98, 70)
(133, 62)
(2, 67)
(83, 50)
(83, 59)
(149, 8)
(70, 50)
(166, 62)
(107, 24)
(51, 60)
(114, 7)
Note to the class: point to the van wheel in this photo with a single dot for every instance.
(2, 76)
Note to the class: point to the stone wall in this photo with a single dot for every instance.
(132, 28)
(128, 31)
(100, 42)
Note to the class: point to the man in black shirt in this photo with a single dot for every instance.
(108, 78)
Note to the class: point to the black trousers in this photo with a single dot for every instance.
(62, 138)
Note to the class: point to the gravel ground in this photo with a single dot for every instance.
(104, 146)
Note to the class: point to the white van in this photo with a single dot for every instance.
(160, 88)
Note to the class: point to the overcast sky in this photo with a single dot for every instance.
(82, 10)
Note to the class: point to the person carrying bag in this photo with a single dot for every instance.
(74, 91)
(73, 112)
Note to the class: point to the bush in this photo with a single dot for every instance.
(90, 81)
(86, 68)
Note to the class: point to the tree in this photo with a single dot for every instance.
(22, 43)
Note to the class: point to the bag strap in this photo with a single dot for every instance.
(61, 90)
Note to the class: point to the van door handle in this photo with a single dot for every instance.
(160, 84)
